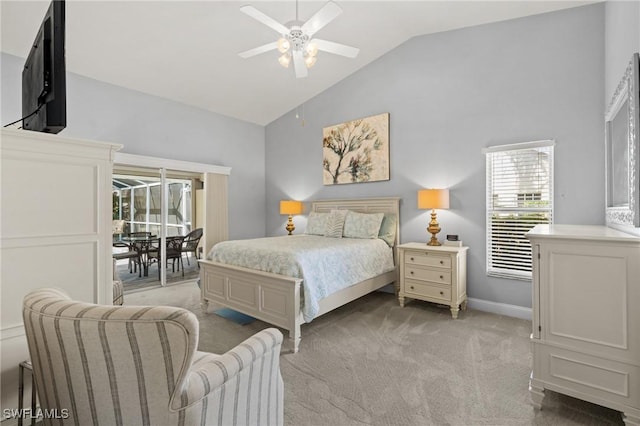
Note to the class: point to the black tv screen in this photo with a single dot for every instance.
(44, 100)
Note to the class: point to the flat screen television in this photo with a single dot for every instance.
(44, 100)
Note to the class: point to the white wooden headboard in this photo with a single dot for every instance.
(363, 205)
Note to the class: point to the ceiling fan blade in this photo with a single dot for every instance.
(298, 64)
(321, 18)
(267, 20)
(258, 50)
(336, 48)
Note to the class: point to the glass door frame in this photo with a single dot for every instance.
(163, 181)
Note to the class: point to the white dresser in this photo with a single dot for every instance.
(55, 194)
(586, 316)
(434, 274)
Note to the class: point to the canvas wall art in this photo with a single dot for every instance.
(356, 151)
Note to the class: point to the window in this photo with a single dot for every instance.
(144, 194)
(519, 196)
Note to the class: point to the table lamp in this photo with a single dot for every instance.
(290, 207)
(433, 199)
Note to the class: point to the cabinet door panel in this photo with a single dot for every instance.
(585, 303)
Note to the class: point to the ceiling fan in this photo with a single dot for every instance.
(296, 38)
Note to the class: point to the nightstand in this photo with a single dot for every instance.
(435, 274)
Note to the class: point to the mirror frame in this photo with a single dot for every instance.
(627, 214)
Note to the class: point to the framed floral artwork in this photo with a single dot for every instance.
(356, 151)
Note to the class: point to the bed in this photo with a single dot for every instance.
(277, 298)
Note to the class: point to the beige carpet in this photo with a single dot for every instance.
(374, 363)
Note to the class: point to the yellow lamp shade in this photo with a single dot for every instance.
(290, 207)
(433, 199)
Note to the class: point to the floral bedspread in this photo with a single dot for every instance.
(326, 265)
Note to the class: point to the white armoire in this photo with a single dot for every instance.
(586, 316)
(56, 230)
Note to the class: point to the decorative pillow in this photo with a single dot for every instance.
(335, 223)
(316, 223)
(362, 225)
(388, 228)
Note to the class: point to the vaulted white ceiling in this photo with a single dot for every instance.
(187, 51)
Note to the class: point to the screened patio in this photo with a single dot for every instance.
(138, 222)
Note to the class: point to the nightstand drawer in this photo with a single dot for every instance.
(427, 259)
(425, 290)
(434, 275)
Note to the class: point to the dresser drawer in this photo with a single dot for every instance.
(425, 274)
(425, 258)
(426, 290)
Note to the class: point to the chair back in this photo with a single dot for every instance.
(192, 239)
(118, 364)
(174, 245)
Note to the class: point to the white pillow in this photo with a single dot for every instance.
(362, 225)
(335, 223)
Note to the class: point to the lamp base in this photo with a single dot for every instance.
(290, 226)
(433, 241)
(433, 229)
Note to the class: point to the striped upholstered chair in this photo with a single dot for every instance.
(126, 365)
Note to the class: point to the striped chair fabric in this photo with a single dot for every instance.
(138, 365)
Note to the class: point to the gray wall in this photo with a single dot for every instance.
(622, 39)
(449, 95)
(148, 125)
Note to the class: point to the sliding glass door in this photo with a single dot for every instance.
(152, 207)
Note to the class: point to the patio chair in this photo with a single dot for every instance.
(138, 365)
(191, 241)
(174, 253)
(144, 247)
(132, 254)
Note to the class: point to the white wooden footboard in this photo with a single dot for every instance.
(271, 297)
(266, 296)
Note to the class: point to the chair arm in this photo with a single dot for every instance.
(210, 372)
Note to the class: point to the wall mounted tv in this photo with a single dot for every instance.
(44, 100)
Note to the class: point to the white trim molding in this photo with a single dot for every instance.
(14, 330)
(123, 158)
(519, 145)
(500, 308)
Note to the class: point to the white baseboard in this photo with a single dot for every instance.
(500, 308)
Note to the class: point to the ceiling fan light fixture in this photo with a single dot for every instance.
(285, 60)
(310, 61)
(283, 45)
(312, 49)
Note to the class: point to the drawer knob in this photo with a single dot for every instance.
(412, 259)
(441, 277)
(441, 293)
(411, 272)
(411, 287)
(442, 262)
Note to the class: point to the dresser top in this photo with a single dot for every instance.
(424, 246)
(581, 232)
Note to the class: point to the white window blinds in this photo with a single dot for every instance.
(519, 196)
